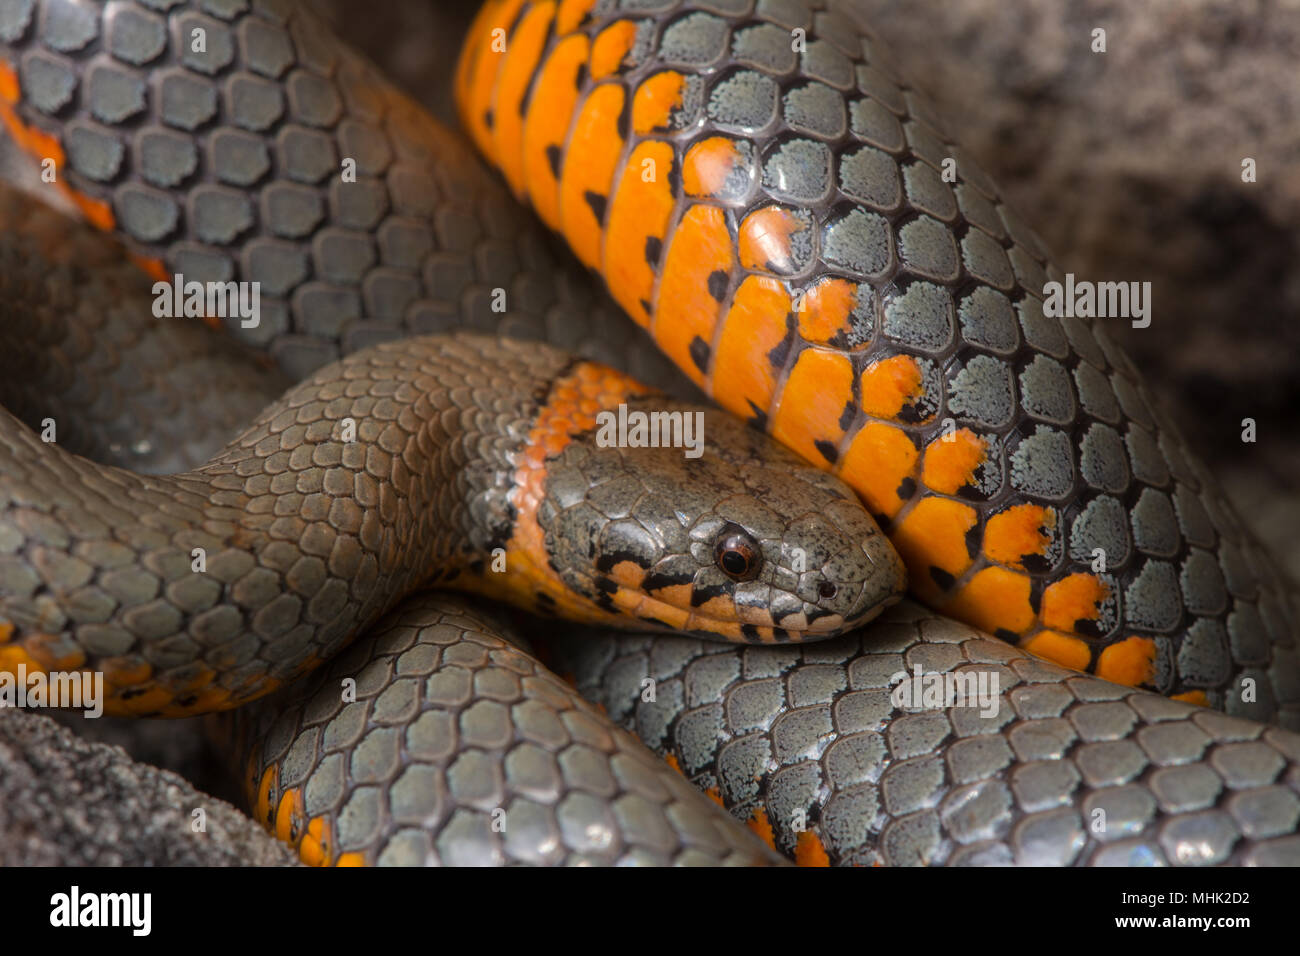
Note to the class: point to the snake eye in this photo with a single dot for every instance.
(738, 555)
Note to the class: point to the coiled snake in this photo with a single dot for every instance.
(768, 201)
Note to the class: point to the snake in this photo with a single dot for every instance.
(771, 205)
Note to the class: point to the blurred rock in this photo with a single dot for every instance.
(66, 801)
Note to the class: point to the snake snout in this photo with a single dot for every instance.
(850, 572)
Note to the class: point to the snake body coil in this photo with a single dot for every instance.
(767, 199)
(1045, 767)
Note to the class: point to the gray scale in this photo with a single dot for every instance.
(815, 109)
(986, 261)
(874, 124)
(1046, 393)
(1042, 465)
(988, 321)
(48, 82)
(744, 102)
(983, 392)
(764, 46)
(1101, 525)
(880, 88)
(927, 192)
(860, 242)
(798, 170)
(93, 154)
(694, 40)
(870, 177)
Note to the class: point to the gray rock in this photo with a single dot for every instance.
(65, 801)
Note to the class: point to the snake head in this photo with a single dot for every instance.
(743, 541)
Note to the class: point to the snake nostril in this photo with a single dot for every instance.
(827, 590)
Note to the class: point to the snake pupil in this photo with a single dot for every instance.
(734, 563)
(738, 556)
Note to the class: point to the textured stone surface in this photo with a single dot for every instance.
(65, 801)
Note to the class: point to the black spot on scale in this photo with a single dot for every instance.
(1002, 634)
(759, 418)
(605, 585)
(545, 600)
(906, 488)
(839, 341)
(847, 416)
(488, 119)
(750, 633)
(580, 78)
(779, 354)
(624, 125)
(451, 575)
(1089, 628)
(700, 595)
(554, 157)
(609, 559)
(718, 281)
(974, 538)
(1036, 586)
(657, 579)
(781, 635)
(597, 202)
(910, 414)
(645, 304)
(675, 179)
(1036, 563)
(942, 578)
(604, 601)
(827, 449)
(700, 351)
(654, 247)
